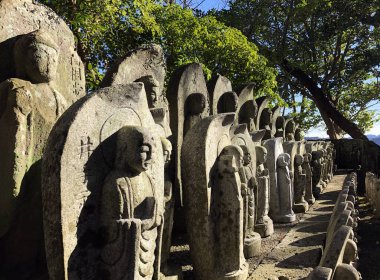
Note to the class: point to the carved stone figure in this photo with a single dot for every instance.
(247, 108)
(188, 99)
(317, 173)
(290, 128)
(222, 98)
(213, 200)
(79, 172)
(265, 123)
(252, 240)
(264, 224)
(309, 182)
(280, 127)
(298, 134)
(129, 215)
(40, 76)
(285, 187)
(300, 204)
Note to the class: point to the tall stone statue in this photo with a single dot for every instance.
(247, 108)
(280, 127)
(265, 123)
(300, 204)
(41, 75)
(285, 189)
(281, 192)
(316, 166)
(213, 199)
(309, 197)
(264, 224)
(103, 175)
(252, 240)
(129, 215)
(222, 98)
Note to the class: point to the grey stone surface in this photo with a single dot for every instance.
(300, 204)
(41, 75)
(264, 224)
(309, 197)
(213, 200)
(222, 98)
(188, 100)
(281, 193)
(79, 162)
(247, 108)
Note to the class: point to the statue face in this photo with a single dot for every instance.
(247, 157)
(41, 63)
(142, 158)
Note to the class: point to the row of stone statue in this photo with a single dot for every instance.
(340, 254)
(112, 168)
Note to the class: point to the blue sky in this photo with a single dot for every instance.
(316, 132)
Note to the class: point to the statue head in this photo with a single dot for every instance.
(167, 149)
(298, 160)
(36, 57)
(195, 104)
(283, 160)
(135, 149)
(152, 88)
(298, 135)
(228, 102)
(261, 154)
(266, 117)
(247, 155)
(307, 157)
(236, 154)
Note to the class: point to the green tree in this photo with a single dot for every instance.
(327, 51)
(106, 29)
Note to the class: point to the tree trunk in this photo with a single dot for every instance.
(323, 103)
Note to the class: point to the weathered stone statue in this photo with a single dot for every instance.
(40, 76)
(188, 99)
(103, 175)
(280, 127)
(213, 199)
(290, 128)
(300, 204)
(265, 123)
(129, 215)
(317, 173)
(298, 134)
(309, 182)
(281, 193)
(247, 108)
(222, 98)
(264, 224)
(285, 187)
(252, 240)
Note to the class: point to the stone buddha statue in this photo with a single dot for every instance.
(264, 224)
(30, 105)
(129, 216)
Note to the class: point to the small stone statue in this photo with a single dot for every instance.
(300, 204)
(280, 124)
(289, 130)
(228, 203)
(264, 224)
(252, 240)
(129, 215)
(317, 173)
(309, 184)
(285, 187)
(265, 123)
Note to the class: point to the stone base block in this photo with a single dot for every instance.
(311, 200)
(265, 229)
(240, 274)
(301, 207)
(283, 219)
(252, 245)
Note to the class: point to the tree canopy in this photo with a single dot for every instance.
(107, 29)
(325, 51)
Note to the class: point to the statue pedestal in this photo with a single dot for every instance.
(265, 229)
(283, 219)
(301, 207)
(241, 274)
(252, 245)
